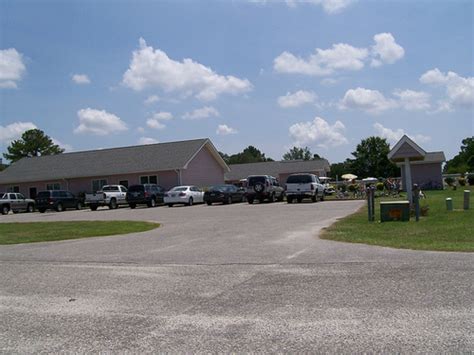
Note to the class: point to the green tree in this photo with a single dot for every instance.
(464, 160)
(33, 143)
(248, 155)
(224, 156)
(370, 159)
(339, 169)
(296, 153)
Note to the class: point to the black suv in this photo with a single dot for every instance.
(58, 200)
(145, 194)
(263, 187)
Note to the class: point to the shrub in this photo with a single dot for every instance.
(380, 186)
(352, 187)
(449, 181)
(342, 188)
(462, 181)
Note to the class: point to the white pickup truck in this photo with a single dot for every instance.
(300, 186)
(110, 195)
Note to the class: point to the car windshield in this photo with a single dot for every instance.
(179, 188)
(136, 188)
(43, 194)
(253, 180)
(299, 179)
(219, 188)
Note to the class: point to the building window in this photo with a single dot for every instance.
(54, 186)
(98, 184)
(124, 183)
(14, 189)
(152, 179)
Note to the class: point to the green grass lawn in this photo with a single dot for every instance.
(439, 230)
(15, 233)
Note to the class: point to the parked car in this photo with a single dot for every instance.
(15, 202)
(187, 195)
(263, 187)
(226, 194)
(145, 194)
(110, 195)
(300, 186)
(58, 200)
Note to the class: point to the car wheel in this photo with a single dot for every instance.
(30, 208)
(113, 204)
(258, 187)
(209, 203)
(59, 207)
(5, 209)
(299, 199)
(289, 199)
(228, 201)
(79, 206)
(152, 202)
(271, 198)
(314, 198)
(322, 197)
(93, 207)
(170, 205)
(42, 210)
(250, 201)
(190, 202)
(132, 205)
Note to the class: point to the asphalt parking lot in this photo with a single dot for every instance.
(231, 278)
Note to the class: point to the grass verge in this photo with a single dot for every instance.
(15, 233)
(440, 230)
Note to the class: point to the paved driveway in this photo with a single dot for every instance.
(231, 278)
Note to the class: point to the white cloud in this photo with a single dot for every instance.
(296, 99)
(341, 57)
(147, 140)
(413, 100)
(155, 121)
(224, 130)
(81, 79)
(371, 101)
(203, 112)
(153, 68)
(394, 136)
(329, 6)
(318, 132)
(324, 62)
(152, 99)
(12, 68)
(459, 90)
(14, 131)
(65, 146)
(386, 50)
(99, 122)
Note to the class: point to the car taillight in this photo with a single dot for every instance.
(182, 194)
(312, 187)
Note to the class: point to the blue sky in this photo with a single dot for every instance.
(322, 73)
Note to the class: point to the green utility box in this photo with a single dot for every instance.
(394, 211)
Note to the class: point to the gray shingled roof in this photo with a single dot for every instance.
(274, 168)
(104, 162)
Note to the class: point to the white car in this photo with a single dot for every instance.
(187, 195)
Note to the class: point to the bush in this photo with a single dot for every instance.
(352, 187)
(342, 188)
(462, 181)
(380, 186)
(449, 181)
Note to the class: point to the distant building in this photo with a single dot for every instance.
(192, 162)
(425, 167)
(279, 169)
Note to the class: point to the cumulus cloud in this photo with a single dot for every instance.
(65, 146)
(224, 130)
(371, 101)
(394, 135)
(329, 6)
(386, 50)
(340, 57)
(99, 122)
(156, 120)
(413, 100)
(14, 131)
(152, 99)
(296, 99)
(81, 79)
(318, 132)
(147, 140)
(153, 68)
(12, 68)
(199, 113)
(459, 90)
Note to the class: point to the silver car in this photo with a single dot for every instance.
(15, 202)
